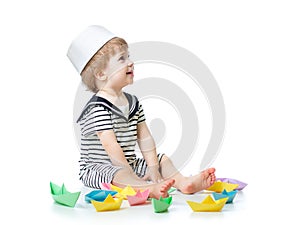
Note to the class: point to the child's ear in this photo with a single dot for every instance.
(100, 76)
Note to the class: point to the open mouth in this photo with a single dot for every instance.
(129, 73)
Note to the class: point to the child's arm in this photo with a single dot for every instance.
(109, 142)
(148, 149)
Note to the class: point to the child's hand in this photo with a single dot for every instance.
(153, 174)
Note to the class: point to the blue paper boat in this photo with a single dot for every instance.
(98, 195)
(230, 195)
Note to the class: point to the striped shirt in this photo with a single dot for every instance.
(99, 114)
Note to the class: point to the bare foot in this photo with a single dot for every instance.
(198, 182)
(161, 189)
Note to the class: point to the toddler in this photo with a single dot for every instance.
(113, 121)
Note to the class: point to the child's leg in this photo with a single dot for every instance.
(126, 177)
(187, 185)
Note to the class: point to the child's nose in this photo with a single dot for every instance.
(130, 64)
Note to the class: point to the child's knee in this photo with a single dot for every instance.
(164, 158)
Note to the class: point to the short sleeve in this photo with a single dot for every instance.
(97, 119)
(141, 117)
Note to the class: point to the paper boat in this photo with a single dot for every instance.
(138, 198)
(241, 184)
(123, 193)
(62, 196)
(161, 204)
(99, 195)
(220, 186)
(208, 205)
(230, 195)
(172, 189)
(115, 188)
(105, 186)
(108, 204)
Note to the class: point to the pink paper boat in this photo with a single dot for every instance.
(138, 198)
(105, 186)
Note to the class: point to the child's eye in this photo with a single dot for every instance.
(122, 58)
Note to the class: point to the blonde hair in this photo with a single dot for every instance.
(99, 62)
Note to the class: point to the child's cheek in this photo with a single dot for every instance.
(116, 68)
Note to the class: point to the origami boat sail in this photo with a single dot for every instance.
(220, 186)
(99, 195)
(108, 204)
(105, 186)
(161, 204)
(62, 196)
(138, 198)
(123, 193)
(172, 189)
(230, 195)
(115, 188)
(208, 205)
(241, 184)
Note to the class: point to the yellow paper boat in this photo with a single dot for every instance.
(220, 186)
(115, 188)
(108, 204)
(208, 205)
(122, 193)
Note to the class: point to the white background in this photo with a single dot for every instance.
(251, 47)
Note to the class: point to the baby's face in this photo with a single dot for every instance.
(119, 69)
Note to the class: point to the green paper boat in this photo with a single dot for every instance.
(161, 204)
(172, 189)
(62, 196)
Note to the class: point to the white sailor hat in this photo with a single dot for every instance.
(86, 44)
